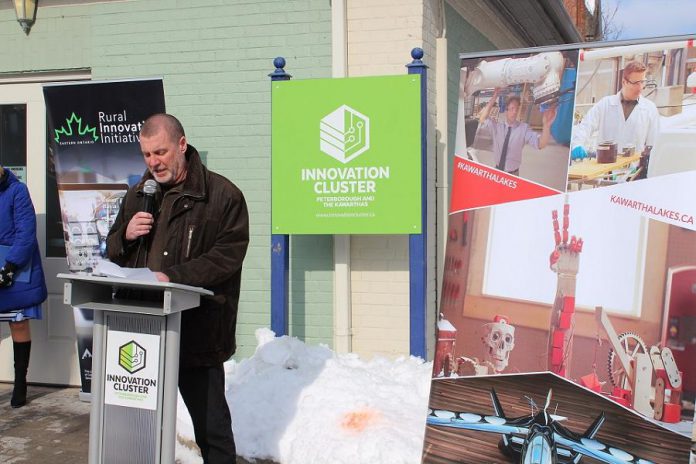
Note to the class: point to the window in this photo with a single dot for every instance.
(612, 262)
(13, 139)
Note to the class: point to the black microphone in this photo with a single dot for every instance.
(149, 190)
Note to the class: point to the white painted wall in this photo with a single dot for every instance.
(381, 34)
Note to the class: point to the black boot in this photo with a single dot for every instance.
(21, 363)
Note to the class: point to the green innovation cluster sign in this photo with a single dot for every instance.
(346, 156)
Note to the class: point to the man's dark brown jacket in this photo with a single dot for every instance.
(202, 240)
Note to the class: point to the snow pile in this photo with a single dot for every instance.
(294, 403)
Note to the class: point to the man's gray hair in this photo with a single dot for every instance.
(159, 121)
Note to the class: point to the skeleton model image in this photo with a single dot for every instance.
(564, 261)
(499, 341)
(538, 438)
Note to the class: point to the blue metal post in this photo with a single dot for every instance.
(417, 252)
(280, 250)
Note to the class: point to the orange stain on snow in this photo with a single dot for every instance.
(357, 421)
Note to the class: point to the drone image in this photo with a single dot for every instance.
(538, 438)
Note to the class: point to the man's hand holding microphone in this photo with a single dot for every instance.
(140, 225)
(142, 222)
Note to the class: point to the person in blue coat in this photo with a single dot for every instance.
(22, 284)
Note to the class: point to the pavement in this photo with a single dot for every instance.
(53, 427)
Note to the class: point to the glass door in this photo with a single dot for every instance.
(23, 150)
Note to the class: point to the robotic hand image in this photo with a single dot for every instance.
(565, 262)
(565, 257)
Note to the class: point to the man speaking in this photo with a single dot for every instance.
(196, 234)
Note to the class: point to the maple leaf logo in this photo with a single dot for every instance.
(67, 129)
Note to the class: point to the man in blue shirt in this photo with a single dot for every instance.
(510, 135)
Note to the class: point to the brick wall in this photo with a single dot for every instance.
(214, 58)
(381, 35)
(587, 24)
(58, 40)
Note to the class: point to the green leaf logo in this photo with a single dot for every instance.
(68, 129)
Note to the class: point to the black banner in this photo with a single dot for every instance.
(94, 156)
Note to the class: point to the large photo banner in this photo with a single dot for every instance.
(568, 305)
(94, 153)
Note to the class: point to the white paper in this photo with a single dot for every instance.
(109, 269)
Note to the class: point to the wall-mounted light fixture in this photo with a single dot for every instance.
(26, 13)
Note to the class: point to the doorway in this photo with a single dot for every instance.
(23, 148)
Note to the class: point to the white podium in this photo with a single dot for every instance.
(135, 365)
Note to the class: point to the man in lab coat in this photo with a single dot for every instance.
(626, 118)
